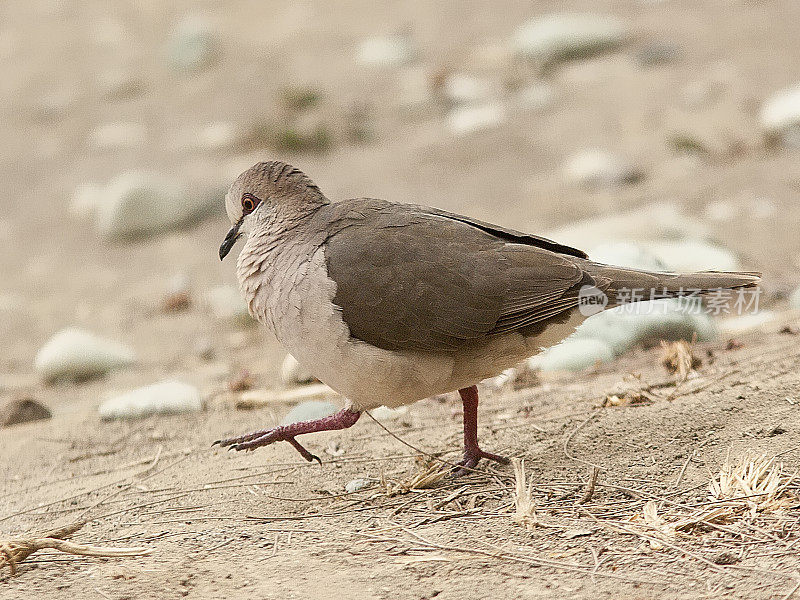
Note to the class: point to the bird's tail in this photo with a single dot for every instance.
(623, 285)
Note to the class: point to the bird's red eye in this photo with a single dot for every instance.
(249, 203)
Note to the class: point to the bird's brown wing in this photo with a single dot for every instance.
(408, 278)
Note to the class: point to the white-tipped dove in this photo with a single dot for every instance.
(391, 303)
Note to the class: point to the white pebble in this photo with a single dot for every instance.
(468, 119)
(566, 35)
(466, 89)
(166, 397)
(746, 322)
(721, 211)
(218, 134)
(794, 299)
(76, 354)
(310, 410)
(85, 199)
(385, 51)
(138, 203)
(414, 88)
(600, 169)
(693, 255)
(781, 112)
(384, 413)
(572, 354)
(355, 485)
(293, 373)
(114, 136)
(227, 303)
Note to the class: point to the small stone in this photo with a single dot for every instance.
(385, 51)
(218, 134)
(140, 203)
(74, 354)
(466, 89)
(746, 322)
(356, 485)
(627, 326)
(166, 397)
(242, 381)
(469, 119)
(384, 413)
(600, 169)
(794, 299)
(564, 36)
(204, 349)
(114, 136)
(192, 45)
(226, 303)
(574, 533)
(309, 411)
(85, 199)
(572, 354)
(780, 115)
(22, 410)
(693, 255)
(627, 254)
(293, 373)
(721, 211)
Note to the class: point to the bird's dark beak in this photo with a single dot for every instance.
(229, 240)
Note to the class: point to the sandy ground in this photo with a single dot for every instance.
(267, 525)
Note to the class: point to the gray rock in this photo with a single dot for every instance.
(192, 45)
(794, 299)
(356, 485)
(562, 36)
(572, 355)
(780, 114)
(139, 203)
(468, 119)
(310, 410)
(625, 327)
(293, 373)
(166, 397)
(600, 169)
(22, 410)
(74, 354)
(385, 51)
(227, 303)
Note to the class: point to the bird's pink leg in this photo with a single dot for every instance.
(286, 433)
(472, 451)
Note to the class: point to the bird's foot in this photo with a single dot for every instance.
(471, 458)
(265, 437)
(286, 433)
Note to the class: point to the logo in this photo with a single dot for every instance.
(591, 300)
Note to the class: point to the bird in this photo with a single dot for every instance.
(389, 303)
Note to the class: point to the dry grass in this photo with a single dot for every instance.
(524, 504)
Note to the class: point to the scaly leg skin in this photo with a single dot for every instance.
(472, 451)
(286, 433)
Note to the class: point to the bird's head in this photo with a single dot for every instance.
(268, 195)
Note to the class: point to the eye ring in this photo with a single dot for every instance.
(249, 203)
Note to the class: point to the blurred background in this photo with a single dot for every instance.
(647, 132)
